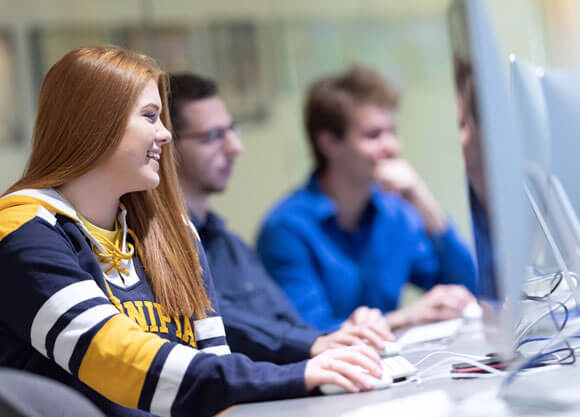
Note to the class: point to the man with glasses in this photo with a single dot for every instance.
(364, 224)
(259, 320)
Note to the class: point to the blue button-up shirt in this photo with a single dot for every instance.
(328, 272)
(259, 319)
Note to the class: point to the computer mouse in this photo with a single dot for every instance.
(472, 311)
(385, 382)
(391, 349)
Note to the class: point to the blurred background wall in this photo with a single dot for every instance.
(264, 53)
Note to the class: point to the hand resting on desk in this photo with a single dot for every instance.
(442, 302)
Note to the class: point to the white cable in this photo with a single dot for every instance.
(570, 330)
(470, 375)
(544, 315)
(551, 309)
(523, 332)
(547, 339)
(431, 346)
(539, 369)
(549, 276)
(477, 375)
(444, 352)
(464, 359)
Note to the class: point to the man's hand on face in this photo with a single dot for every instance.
(443, 302)
(364, 326)
(398, 176)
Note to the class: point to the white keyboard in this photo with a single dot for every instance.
(398, 367)
(395, 367)
(430, 332)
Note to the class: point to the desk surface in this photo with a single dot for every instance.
(470, 341)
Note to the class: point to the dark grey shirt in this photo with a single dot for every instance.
(260, 321)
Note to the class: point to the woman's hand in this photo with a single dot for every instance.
(340, 367)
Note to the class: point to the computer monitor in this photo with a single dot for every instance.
(530, 113)
(493, 154)
(561, 90)
(532, 121)
(553, 258)
(554, 249)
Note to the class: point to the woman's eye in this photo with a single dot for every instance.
(374, 134)
(151, 116)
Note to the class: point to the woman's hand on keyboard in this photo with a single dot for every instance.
(341, 367)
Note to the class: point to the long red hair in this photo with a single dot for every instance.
(83, 110)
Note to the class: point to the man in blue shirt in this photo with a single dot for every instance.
(260, 321)
(365, 224)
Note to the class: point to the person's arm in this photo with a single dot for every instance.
(286, 256)
(244, 291)
(442, 258)
(59, 309)
(398, 176)
(335, 357)
(280, 342)
(456, 264)
(445, 258)
(264, 339)
(441, 264)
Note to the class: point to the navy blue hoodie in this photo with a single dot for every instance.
(67, 317)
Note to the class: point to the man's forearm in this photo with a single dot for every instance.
(429, 209)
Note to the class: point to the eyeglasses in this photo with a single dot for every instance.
(215, 135)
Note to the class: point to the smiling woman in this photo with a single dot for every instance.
(110, 291)
(91, 140)
(134, 164)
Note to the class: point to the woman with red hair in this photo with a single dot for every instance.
(108, 287)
